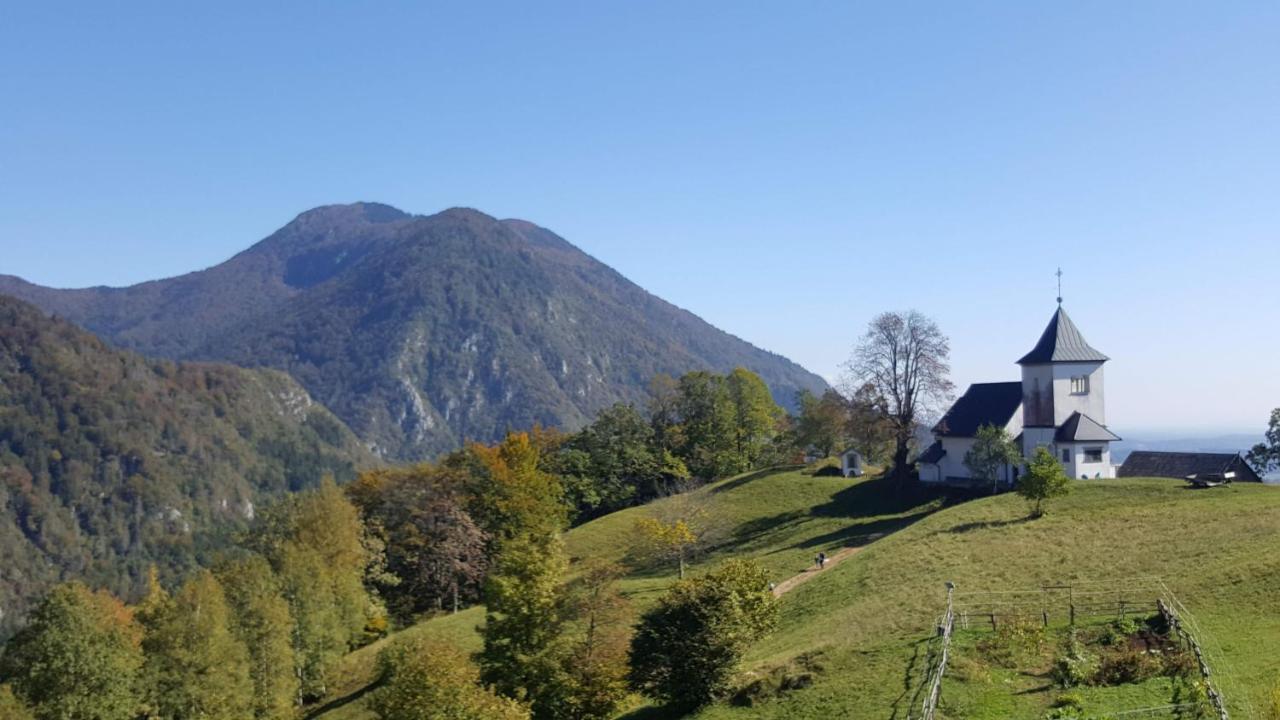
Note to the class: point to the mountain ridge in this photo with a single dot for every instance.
(423, 331)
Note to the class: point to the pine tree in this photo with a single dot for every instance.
(78, 658)
(195, 666)
(260, 619)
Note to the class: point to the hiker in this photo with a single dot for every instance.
(822, 560)
(773, 586)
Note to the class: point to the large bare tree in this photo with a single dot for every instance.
(905, 357)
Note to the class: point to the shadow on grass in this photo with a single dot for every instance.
(988, 524)
(743, 480)
(654, 713)
(336, 703)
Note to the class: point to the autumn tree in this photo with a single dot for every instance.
(510, 494)
(261, 620)
(1265, 456)
(677, 528)
(586, 664)
(687, 648)
(435, 552)
(195, 666)
(425, 679)
(992, 451)
(314, 542)
(78, 658)
(905, 357)
(1045, 479)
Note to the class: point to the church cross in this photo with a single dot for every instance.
(1059, 286)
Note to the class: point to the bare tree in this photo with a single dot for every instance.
(905, 357)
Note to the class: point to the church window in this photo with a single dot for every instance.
(1080, 385)
(1093, 455)
(1066, 455)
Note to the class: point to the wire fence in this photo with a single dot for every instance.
(1065, 605)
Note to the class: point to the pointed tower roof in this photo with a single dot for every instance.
(1062, 342)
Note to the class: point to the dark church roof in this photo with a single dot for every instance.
(1062, 342)
(1148, 463)
(1082, 428)
(933, 454)
(982, 404)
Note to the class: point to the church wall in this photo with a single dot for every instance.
(1064, 402)
(1037, 395)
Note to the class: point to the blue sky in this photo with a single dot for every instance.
(785, 170)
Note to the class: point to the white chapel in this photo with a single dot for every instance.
(1060, 404)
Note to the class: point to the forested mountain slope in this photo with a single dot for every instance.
(110, 462)
(421, 332)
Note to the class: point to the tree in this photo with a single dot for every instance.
(992, 450)
(78, 658)
(755, 416)
(316, 546)
(435, 552)
(822, 421)
(424, 679)
(261, 620)
(706, 426)
(522, 614)
(195, 667)
(1265, 456)
(677, 528)
(593, 664)
(904, 356)
(664, 412)
(509, 492)
(11, 708)
(686, 649)
(868, 426)
(619, 459)
(1045, 479)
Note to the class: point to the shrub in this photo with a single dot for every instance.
(687, 647)
(422, 679)
(1130, 666)
(1015, 640)
(1118, 632)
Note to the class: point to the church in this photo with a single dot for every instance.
(1059, 404)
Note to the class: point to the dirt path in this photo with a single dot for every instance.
(833, 559)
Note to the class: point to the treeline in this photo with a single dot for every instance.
(259, 634)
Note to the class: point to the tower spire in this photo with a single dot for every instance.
(1059, 287)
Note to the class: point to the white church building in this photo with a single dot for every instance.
(1059, 404)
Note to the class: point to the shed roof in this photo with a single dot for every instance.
(1062, 342)
(1149, 463)
(982, 404)
(1082, 428)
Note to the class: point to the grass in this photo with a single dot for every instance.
(868, 618)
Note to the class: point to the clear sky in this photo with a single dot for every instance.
(785, 170)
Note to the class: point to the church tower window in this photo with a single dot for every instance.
(1080, 385)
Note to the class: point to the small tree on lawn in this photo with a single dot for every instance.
(992, 450)
(687, 648)
(1045, 479)
(1265, 456)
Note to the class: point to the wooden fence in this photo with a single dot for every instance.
(1189, 640)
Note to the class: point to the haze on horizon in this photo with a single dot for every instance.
(784, 176)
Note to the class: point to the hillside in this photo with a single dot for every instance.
(867, 617)
(422, 331)
(110, 461)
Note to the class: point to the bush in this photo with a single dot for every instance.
(686, 649)
(424, 679)
(1130, 666)
(1118, 632)
(1015, 640)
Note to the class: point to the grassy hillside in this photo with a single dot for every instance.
(867, 617)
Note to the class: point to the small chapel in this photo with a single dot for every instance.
(1059, 404)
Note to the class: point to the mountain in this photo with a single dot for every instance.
(110, 462)
(421, 332)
